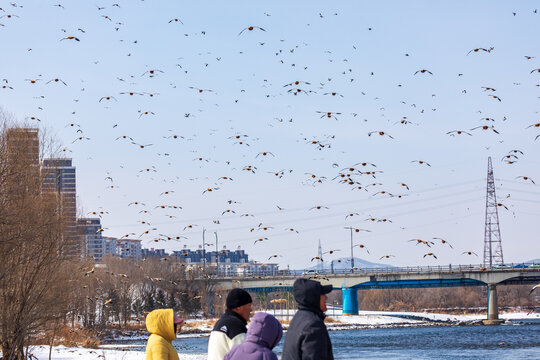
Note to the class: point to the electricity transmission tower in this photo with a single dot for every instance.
(492, 235)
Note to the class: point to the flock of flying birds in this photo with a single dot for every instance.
(361, 176)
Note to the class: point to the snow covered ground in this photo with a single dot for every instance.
(66, 353)
(336, 322)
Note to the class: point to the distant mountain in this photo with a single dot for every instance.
(534, 261)
(344, 263)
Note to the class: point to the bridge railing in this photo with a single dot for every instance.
(387, 270)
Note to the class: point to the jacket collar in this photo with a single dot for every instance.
(232, 313)
(317, 311)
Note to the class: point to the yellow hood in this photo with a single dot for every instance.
(161, 322)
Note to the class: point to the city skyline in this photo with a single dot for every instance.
(252, 134)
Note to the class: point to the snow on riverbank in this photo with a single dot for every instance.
(383, 318)
(78, 353)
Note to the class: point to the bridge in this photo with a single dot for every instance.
(349, 281)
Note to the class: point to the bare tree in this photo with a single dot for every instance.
(34, 272)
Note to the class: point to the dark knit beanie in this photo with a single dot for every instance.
(237, 297)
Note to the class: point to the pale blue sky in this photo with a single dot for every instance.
(366, 51)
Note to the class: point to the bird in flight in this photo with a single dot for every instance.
(526, 178)
(319, 207)
(333, 94)
(56, 80)
(250, 28)
(481, 49)
(210, 189)
(297, 82)
(107, 98)
(504, 206)
(329, 114)
(260, 239)
(331, 251)
(486, 127)
(421, 162)
(469, 253)
(351, 215)
(201, 90)
(152, 72)
(424, 242)
(423, 71)
(265, 153)
(80, 138)
(458, 132)
(70, 38)
(381, 133)
(362, 246)
(443, 241)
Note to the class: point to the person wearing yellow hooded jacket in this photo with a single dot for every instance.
(162, 325)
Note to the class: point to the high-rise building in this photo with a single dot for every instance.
(110, 245)
(22, 147)
(23, 144)
(89, 231)
(58, 176)
(129, 248)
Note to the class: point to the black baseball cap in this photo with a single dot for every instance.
(325, 289)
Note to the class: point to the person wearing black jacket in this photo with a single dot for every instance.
(307, 337)
(230, 329)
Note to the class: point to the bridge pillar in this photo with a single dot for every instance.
(350, 301)
(493, 306)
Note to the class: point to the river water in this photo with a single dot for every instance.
(512, 340)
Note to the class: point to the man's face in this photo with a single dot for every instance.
(244, 311)
(323, 303)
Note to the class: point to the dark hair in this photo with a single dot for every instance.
(175, 328)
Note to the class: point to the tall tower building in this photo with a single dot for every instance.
(59, 178)
(22, 147)
(23, 144)
(320, 267)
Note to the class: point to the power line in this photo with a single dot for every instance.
(403, 202)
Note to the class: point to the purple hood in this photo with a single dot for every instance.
(264, 330)
(262, 336)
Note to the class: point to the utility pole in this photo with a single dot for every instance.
(352, 256)
(217, 254)
(492, 234)
(204, 251)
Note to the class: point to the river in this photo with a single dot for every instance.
(518, 339)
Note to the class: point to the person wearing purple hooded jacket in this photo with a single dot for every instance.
(263, 335)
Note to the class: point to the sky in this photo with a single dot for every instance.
(180, 119)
